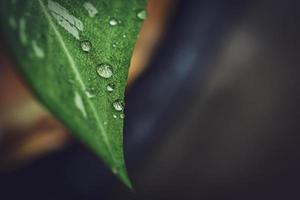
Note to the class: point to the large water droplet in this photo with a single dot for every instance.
(65, 19)
(86, 46)
(114, 22)
(118, 105)
(104, 70)
(142, 15)
(110, 87)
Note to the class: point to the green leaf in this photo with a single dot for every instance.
(75, 56)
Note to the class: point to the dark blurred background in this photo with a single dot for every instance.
(212, 112)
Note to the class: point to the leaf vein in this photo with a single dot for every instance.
(78, 77)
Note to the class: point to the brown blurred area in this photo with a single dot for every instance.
(27, 130)
(149, 36)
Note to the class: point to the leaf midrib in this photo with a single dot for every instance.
(78, 78)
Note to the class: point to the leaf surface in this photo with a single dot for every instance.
(75, 56)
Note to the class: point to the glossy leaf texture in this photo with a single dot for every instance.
(75, 56)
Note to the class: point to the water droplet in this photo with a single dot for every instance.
(142, 15)
(114, 45)
(39, 52)
(118, 105)
(69, 22)
(90, 93)
(104, 70)
(115, 170)
(124, 36)
(79, 104)
(12, 22)
(122, 116)
(110, 87)
(22, 32)
(114, 22)
(105, 123)
(115, 116)
(86, 46)
(91, 9)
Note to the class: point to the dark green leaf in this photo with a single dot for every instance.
(75, 55)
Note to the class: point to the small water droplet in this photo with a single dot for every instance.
(39, 52)
(142, 14)
(115, 170)
(86, 46)
(80, 104)
(22, 32)
(114, 45)
(105, 123)
(124, 36)
(115, 116)
(91, 9)
(12, 22)
(90, 93)
(122, 116)
(118, 105)
(104, 70)
(114, 22)
(110, 87)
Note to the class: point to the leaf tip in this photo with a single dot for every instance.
(123, 176)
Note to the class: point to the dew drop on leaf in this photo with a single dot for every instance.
(22, 32)
(90, 9)
(122, 116)
(90, 93)
(115, 116)
(65, 19)
(79, 104)
(39, 52)
(115, 170)
(104, 70)
(110, 87)
(114, 22)
(118, 105)
(86, 46)
(142, 15)
(12, 22)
